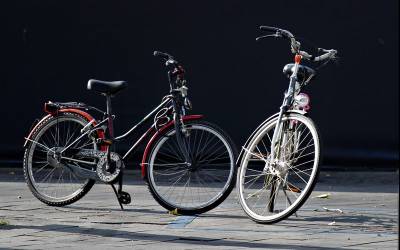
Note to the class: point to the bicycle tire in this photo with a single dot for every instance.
(39, 131)
(302, 198)
(155, 190)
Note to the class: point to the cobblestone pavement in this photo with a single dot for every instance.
(368, 201)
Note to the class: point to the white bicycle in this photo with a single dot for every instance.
(279, 161)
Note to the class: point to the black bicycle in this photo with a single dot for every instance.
(188, 163)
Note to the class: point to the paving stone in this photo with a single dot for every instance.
(369, 219)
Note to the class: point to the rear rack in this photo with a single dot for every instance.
(53, 107)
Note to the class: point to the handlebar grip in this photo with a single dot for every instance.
(323, 50)
(328, 54)
(162, 54)
(269, 28)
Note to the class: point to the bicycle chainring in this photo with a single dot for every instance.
(108, 171)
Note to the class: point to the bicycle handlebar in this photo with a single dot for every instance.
(162, 55)
(328, 54)
(167, 57)
(295, 45)
(279, 32)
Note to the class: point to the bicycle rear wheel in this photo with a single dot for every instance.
(201, 185)
(272, 191)
(51, 183)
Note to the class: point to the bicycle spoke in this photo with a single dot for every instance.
(40, 169)
(174, 173)
(303, 171)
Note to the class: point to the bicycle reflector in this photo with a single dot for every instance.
(302, 101)
(297, 58)
(51, 108)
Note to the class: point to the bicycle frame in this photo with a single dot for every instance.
(108, 121)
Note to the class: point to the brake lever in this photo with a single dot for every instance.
(336, 59)
(271, 35)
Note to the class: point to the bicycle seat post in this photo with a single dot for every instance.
(110, 130)
(109, 116)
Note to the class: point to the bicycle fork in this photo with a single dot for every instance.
(273, 165)
(181, 133)
(287, 101)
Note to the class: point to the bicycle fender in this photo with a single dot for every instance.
(33, 129)
(239, 159)
(157, 135)
(86, 115)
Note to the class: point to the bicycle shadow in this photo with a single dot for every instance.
(154, 211)
(348, 221)
(106, 209)
(138, 236)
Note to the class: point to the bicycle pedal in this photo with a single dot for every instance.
(124, 197)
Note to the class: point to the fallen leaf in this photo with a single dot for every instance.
(323, 196)
(333, 210)
(174, 212)
(4, 222)
(332, 223)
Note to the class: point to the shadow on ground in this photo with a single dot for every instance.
(138, 236)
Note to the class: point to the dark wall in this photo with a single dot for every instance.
(49, 49)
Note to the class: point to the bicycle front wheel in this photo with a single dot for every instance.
(271, 190)
(199, 185)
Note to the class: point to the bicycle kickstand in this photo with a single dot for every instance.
(122, 197)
